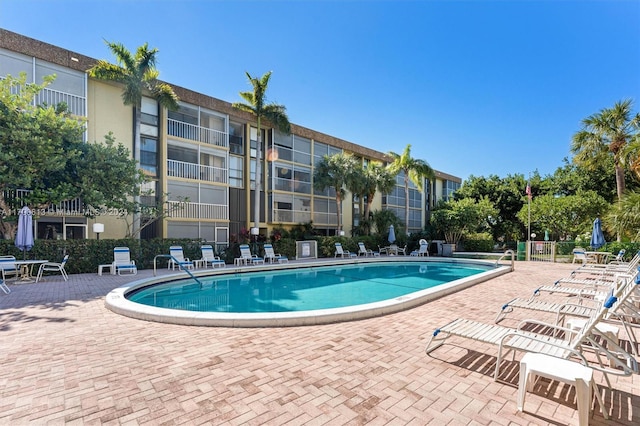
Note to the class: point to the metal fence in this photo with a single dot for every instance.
(541, 251)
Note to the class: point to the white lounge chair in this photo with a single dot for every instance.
(54, 267)
(625, 310)
(246, 258)
(209, 258)
(423, 250)
(340, 252)
(4, 287)
(619, 259)
(122, 261)
(364, 251)
(271, 256)
(8, 267)
(589, 338)
(178, 260)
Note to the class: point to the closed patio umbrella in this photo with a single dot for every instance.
(392, 235)
(597, 237)
(24, 236)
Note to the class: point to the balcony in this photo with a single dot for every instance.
(196, 133)
(74, 207)
(291, 216)
(181, 169)
(182, 210)
(76, 105)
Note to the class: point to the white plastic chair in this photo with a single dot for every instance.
(178, 260)
(423, 250)
(122, 261)
(271, 256)
(209, 257)
(8, 267)
(364, 251)
(53, 267)
(246, 257)
(340, 252)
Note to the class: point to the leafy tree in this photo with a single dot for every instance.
(256, 104)
(571, 178)
(565, 216)
(457, 218)
(335, 171)
(42, 151)
(606, 134)
(414, 169)
(506, 195)
(139, 76)
(36, 143)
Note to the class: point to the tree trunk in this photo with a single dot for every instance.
(137, 110)
(406, 202)
(339, 211)
(620, 183)
(256, 195)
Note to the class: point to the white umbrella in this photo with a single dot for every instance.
(24, 236)
(392, 235)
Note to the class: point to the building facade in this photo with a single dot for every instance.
(201, 159)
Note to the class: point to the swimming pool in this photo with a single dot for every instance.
(297, 294)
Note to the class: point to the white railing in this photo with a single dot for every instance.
(184, 210)
(291, 216)
(76, 105)
(197, 133)
(182, 169)
(541, 251)
(74, 207)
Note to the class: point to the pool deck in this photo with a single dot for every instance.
(67, 359)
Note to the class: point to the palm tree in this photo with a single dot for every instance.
(275, 114)
(604, 134)
(139, 76)
(335, 171)
(624, 217)
(415, 170)
(377, 178)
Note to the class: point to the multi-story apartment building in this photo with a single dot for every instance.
(205, 153)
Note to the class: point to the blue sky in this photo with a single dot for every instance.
(476, 87)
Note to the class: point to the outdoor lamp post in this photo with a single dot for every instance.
(98, 228)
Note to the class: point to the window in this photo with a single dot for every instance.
(149, 155)
(185, 114)
(236, 138)
(236, 171)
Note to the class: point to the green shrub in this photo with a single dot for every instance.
(480, 242)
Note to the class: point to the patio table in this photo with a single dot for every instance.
(600, 256)
(26, 268)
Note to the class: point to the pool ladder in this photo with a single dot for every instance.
(168, 256)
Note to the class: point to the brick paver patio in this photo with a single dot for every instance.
(66, 359)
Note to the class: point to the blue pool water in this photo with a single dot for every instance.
(302, 289)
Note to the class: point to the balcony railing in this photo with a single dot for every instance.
(76, 105)
(74, 207)
(178, 209)
(284, 216)
(182, 169)
(197, 133)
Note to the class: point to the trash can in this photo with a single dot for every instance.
(522, 250)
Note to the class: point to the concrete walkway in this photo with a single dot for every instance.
(66, 359)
